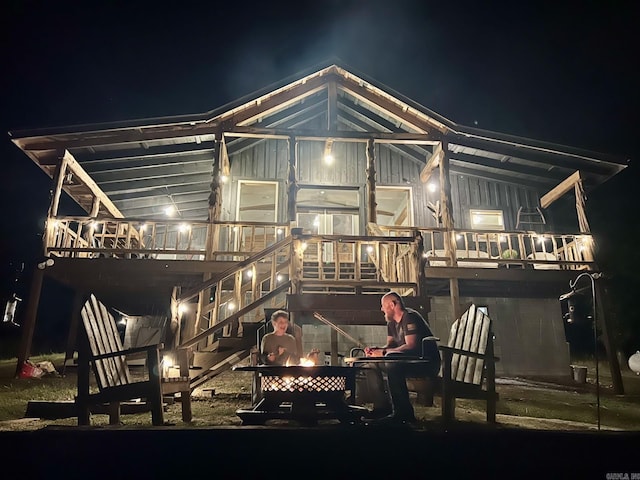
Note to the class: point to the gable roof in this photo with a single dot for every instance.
(144, 165)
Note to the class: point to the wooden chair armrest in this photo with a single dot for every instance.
(466, 353)
(129, 351)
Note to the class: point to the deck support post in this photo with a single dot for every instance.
(372, 205)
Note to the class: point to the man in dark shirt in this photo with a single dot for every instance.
(405, 330)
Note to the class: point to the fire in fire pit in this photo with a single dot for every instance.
(302, 393)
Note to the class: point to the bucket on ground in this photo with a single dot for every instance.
(579, 373)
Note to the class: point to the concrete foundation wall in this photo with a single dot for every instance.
(319, 336)
(529, 334)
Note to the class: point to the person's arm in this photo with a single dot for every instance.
(379, 351)
(267, 357)
(411, 344)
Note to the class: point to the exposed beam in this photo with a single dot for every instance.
(537, 185)
(402, 149)
(79, 173)
(546, 157)
(343, 136)
(272, 103)
(395, 109)
(432, 163)
(562, 188)
(115, 137)
(492, 163)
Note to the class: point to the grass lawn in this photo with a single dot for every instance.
(523, 403)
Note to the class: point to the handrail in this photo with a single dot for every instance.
(238, 266)
(236, 316)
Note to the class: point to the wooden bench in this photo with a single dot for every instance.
(468, 367)
(100, 349)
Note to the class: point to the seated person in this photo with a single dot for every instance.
(279, 347)
(405, 330)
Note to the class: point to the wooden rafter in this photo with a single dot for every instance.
(400, 112)
(432, 163)
(562, 188)
(83, 177)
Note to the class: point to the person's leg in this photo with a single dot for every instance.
(373, 389)
(401, 404)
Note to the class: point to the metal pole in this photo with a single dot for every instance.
(572, 284)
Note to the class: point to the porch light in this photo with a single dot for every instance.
(369, 249)
(279, 231)
(123, 321)
(328, 159)
(182, 308)
(249, 273)
(278, 278)
(231, 306)
(459, 236)
(94, 225)
(223, 179)
(184, 227)
(167, 363)
(432, 187)
(143, 227)
(303, 246)
(169, 211)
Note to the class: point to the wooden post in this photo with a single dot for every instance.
(614, 364)
(73, 329)
(29, 325)
(35, 289)
(372, 206)
(332, 106)
(292, 181)
(447, 222)
(334, 346)
(213, 230)
(296, 263)
(421, 265)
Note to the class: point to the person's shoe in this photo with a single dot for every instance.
(377, 413)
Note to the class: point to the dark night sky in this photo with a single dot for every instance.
(562, 72)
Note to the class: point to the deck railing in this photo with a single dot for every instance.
(85, 237)
(82, 237)
(494, 249)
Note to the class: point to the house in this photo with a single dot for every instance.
(319, 194)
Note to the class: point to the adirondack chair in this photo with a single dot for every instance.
(468, 367)
(101, 350)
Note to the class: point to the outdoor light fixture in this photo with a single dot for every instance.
(569, 296)
(182, 308)
(328, 151)
(223, 179)
(169, 211)
(46, 263)
(432, 187)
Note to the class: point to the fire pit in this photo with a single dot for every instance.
(301, 393)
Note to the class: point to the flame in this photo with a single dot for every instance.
(305, 362)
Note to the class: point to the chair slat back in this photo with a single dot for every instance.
(104, 338)
(471, 333)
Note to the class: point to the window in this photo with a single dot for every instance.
(257, 201)
(487, 219)
(394, 206)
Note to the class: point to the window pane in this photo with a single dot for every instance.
(320, 197)
(487, 219)
(257, 201)
(394, 207)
